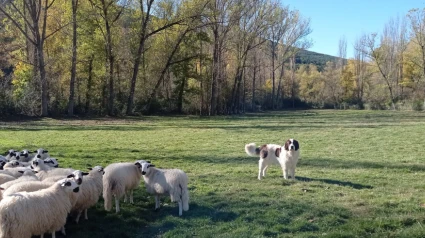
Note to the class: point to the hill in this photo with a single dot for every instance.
(310, 57)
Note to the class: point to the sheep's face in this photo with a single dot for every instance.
(2, 163)
(77, 175)
(18, 155)
(14, 163)
(11, 153)
(36, 162)
(97, 169)
(25, 153)
(145, 167)
(69, 184)
(52, 162)
(40, 153)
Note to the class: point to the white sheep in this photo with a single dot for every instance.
(41, 154)
(171, 182)
(10, 154)
(52, 162)
(12, 164)
(26, 156)
(15, 172)
(3, 159)
(119, 180)
(35, 213)
(90, 191)
(27, 175)
(4, 178)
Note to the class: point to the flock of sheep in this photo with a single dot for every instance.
(36, 196)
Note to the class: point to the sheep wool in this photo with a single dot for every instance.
(171, 182)
(119, 179)
(90, 191)
(35, 213)
(27, 175)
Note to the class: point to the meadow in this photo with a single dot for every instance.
(361, 173)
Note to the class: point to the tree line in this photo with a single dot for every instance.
(128, 57)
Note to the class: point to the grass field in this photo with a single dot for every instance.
(361, 173)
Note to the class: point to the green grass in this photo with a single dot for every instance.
(361, 173)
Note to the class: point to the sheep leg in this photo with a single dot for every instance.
(53, 234)
(131, 197)
(42, 236)
(180, 207)
(125, 197)
(157, 203)
(85, 214)
(77, 219)
(117, 205)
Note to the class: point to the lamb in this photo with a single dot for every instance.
(26, 214)
(41, 154)
(12, 164)
(119, 180)
(91, 189)
(166, 181)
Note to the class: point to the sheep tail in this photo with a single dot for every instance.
(184, 197)
(107, 194)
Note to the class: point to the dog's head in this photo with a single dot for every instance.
(292, 145)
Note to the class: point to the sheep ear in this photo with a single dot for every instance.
(20, 171)
(90, 168)
(152, 165)
(57, 159)
(148, 161)
(84, 173)
(36, 172)
(1, 188)
(34, 151)
(138, 165)
(71, 176)
(45, 151)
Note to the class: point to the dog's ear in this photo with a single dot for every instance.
(297, 145)
(277, 152)
(287, 144)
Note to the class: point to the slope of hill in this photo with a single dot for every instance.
(310, 57)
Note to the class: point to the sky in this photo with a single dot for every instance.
(332, 19)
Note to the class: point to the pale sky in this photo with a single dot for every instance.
(332, 19)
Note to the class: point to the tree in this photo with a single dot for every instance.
(34, 16)
(74, 58)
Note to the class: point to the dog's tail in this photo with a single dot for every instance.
(252, 150)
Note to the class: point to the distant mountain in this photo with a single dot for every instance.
(310, 57)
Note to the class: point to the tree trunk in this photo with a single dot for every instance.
(273, 73)
(74, 58)
(215, 74)
(89, 84)
(253, 87)
(180, 96)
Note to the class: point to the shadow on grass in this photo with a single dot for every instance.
(350, 164)
(335, 182)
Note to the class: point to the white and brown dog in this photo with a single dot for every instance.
(272, 153)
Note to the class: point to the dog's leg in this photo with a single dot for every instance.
(265, 170)
(285, 171)
(293, 172)
(260, 168)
